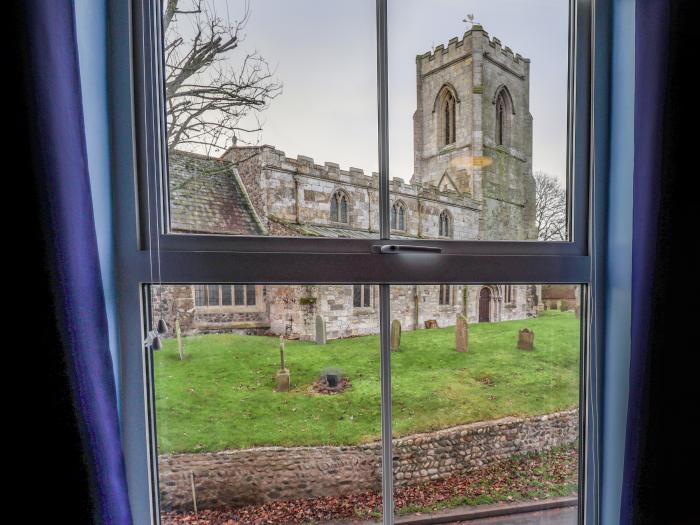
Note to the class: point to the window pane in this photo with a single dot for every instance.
(266, 122)
(485, 403)
(264, 440)
(357, 295)
(478, 118)
(226, 295)
(250, 294)
(239, 291)
(200, 295)
(213, 295)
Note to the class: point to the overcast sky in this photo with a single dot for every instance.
(324, 54)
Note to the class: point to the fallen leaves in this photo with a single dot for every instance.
(531, 477)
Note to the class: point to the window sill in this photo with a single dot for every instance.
(228, 309)
(362, 310)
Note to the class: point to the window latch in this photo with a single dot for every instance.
(404, 248)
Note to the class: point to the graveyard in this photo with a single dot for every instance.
(224, 393)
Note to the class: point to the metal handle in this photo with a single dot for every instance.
(405, 248)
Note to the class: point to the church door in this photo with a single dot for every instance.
(484, 305)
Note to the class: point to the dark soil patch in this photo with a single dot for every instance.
(321, 386)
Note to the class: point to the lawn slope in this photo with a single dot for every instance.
(222, 395)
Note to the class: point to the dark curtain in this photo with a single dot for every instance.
(661, 459)
(72, 468)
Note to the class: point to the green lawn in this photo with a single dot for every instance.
(222, 395)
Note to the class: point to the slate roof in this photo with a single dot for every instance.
(207, 196)
(338, 232)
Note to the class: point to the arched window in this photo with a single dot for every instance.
(445, 294)
(361, 295)
(509, 294)
(398, 216)
(446, 117)
(445, 225)
(504, 114)
(339, 207)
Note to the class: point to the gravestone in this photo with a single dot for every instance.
(320, 330)
(526, 339)
(461, 334)
(431, 323)
(283, 376)
(395, 335)
(178, 334)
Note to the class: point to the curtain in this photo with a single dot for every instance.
(661, 456)
(80, 473)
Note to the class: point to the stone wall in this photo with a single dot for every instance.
(294, 194)
(291, 310)
(259, 475)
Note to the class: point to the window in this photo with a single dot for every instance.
(361, 295)
(446, 116)
(504, 114)
(398, 216)
(339, 207)
(445, 294)
(462, 158)
(224, 295)
(508, 294)
(445, 230)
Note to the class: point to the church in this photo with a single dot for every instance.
(472, 180)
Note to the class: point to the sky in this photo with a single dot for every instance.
(324, 54)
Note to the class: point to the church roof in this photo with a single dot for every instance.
(338, 232)
(207, 196)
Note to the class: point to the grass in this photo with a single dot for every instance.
(222, 395)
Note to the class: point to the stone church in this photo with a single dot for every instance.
(472, 180)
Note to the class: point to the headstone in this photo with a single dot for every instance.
(283, 376)
(431, 323)
(395, 335)
(320, 330)
(461, 334)
(526, 339)
(178, 334)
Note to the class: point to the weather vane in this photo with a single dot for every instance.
(469, 20)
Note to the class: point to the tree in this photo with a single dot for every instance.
(550, 207)
(213, 99)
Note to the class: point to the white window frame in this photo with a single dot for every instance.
(139, 161)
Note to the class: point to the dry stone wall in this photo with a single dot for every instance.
(260, 475)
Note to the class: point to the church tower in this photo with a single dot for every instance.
(473, 131)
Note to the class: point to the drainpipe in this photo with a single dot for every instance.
(464, 301)
(416, 302)
(420, 218)
(296, 200)
(369, 210)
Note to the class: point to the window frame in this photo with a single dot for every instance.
(256, 306)
(151, 160)
(139, 170)
(366, 296)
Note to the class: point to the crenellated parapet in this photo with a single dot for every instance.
(275, 160)
(474, 40)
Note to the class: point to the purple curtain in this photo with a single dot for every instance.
(661, 457)
(80, 475)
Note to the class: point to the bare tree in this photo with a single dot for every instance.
(550, 212)
(213, 97)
